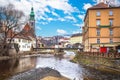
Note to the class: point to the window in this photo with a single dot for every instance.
(98, 13)
(111, 22)
(110, 13)
(98, 22)
(98, 32)
(19, 40)
(32, 23)
(111, 31)
(8, 39)
(98, 41)
(13, 40)
(111, 40)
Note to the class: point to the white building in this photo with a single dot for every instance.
(26, 39)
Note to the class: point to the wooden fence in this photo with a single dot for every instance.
(97, 54)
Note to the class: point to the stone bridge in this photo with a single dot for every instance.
(55, 49)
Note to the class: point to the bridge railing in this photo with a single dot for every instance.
(97, 54)
(37, 49)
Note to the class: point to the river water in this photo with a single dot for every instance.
(62, 64)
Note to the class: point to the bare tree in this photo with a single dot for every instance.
(11, 21)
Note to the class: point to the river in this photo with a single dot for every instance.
(62, 64)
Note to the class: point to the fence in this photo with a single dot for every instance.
(97, 54)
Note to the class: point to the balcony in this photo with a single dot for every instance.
(104, 26)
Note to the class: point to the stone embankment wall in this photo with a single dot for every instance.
(101, 63)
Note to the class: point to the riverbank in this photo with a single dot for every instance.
(99, 63)
(30, 54)
(54, 78)
(23, 54)
(39, 74)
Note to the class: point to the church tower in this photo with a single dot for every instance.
(32, 20)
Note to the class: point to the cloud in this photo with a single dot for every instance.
(81, 16)
(79, 25)
(38, 28)
(70, 18)
(75, 32)
(86, 6)
(55, 14)
(61, 31)
(117, 2)
(44, 23)
(42, 7)
(61, 19)
(50, 19)
(61, 5)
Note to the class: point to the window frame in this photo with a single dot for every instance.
(111, 22)
(111, 40)
(110, 13)
(98, 40)
(98, 32)
(98, 13)
(98, 22)
(111, 31)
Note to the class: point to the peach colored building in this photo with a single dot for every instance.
(101, 27)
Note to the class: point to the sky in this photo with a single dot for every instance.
(55, 17)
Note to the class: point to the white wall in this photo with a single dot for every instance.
(24, 45)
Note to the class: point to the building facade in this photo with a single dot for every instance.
(25, 39)
(101, 28)
(76, 40)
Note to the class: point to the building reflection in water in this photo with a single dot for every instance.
(12, 66)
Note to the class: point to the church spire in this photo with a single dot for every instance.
(32, 21)
(32, 15)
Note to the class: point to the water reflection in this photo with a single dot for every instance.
(12, 66)
(7, 66)
(63, 65)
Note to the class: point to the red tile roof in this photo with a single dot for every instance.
(100, 5)
(24, 34)
(27, 27)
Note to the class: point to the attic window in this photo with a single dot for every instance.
(98, 13)
(111, 13)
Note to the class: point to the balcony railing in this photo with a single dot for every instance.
(104, 26)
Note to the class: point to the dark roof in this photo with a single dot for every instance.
(100, 5)
(78, 34)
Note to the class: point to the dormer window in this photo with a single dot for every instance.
(98, 13)
(111, 13)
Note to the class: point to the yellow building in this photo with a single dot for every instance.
(101, 27)
(76, 38)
